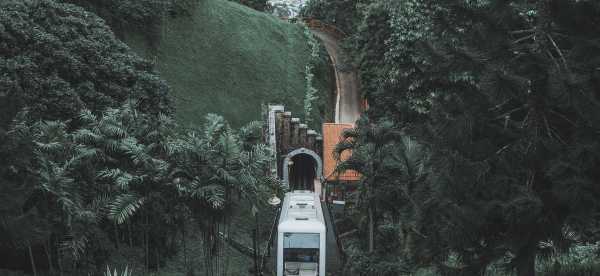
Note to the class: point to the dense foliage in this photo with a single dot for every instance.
(58, 59)
(92, 162)
(480, 150)
(503, 95)
(259, 5)
(135, 13)
(343, 14)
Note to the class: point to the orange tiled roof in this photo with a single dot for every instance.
(332, 135)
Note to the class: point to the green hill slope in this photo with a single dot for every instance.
(226, 58)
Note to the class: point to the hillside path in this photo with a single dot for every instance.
(348, 103)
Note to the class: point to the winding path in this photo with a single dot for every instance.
(348, 101)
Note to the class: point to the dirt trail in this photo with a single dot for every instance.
(348, 102)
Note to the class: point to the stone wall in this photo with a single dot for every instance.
(287, 133)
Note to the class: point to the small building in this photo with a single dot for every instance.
(337, 183)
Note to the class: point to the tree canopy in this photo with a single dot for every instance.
(58, 59)
(504, 95)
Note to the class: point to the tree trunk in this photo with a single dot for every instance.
(525, 261)
(31, 259)
(59, 262)
(146, 243)
(116, 229)
(185, 258)
(157, 259)
(371, 230)
(47, 248)
(254, 245)
(130, 234)
(407, 241)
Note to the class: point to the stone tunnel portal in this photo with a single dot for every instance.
(303, 170)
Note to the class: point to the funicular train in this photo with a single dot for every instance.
(301, 236)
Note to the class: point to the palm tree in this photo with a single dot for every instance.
(370, 144)
(211, 165)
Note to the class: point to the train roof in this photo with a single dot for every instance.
(301, 213)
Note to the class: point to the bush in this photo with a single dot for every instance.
(136, 12)
(580, 260)
(60, 59)
(259, 5)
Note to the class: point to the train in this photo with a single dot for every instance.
(301, 236)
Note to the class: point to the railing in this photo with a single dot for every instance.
(268, 246)
(248, 251)
(338, 242)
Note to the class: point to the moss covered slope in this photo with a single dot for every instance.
(228, 59)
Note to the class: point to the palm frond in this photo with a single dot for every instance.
(124, 206)
(213, 195)
(87, 116)
(75, 246)
(342, 147)
(109, 173)
(86, 136)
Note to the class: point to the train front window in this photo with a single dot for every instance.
(301, 253)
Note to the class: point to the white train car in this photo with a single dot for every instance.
(301, 236)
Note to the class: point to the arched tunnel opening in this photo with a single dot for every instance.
(302, 172)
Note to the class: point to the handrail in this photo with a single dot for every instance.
(335, 232)
(269, 244)
(246, 250)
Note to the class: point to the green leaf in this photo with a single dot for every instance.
(124, 206)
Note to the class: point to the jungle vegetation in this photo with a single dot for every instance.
(92, 161)
(480, 149)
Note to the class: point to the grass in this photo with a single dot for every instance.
(228, 59)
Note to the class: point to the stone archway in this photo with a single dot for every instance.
(318, 166)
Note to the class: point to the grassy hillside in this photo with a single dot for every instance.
(229, 59)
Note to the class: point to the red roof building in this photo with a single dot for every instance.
(332, 135)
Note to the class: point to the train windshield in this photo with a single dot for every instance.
(301, 240)
(301, 253)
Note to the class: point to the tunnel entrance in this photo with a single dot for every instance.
(302, 172)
